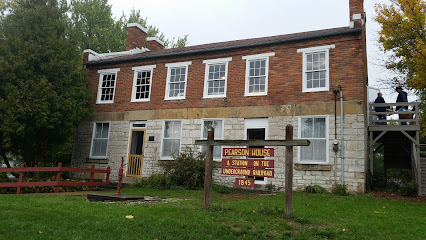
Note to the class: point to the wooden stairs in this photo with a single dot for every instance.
(422, 187)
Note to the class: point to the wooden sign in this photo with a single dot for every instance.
(244, 182)
(255, 172)
(248, 152)
(251, 163)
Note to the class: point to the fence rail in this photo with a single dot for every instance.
(59, 169)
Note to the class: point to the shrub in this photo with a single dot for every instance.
(409, 189)
(341, 190)
(157, 181)
(314, 189)
(222, 189)
(186, 169)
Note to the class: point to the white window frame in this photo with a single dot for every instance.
(93, 137)
(319, 49)
(253, 123)
(162, 137)
(206, 77)
(205, 138)
(249, 58)
(135, 76)
(327, 139)
(103, 72)
(176, 65)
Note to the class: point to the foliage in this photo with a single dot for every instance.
(409, 189)
(43, 91)
(341, 190)
(186, 169)
(398, 178)
(93, 26)
(314, 189)
(403, 25)
(156, 181)
(222, 189)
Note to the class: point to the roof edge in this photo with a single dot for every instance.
(214, 49)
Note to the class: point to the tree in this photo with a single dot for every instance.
(93, 26)
(403, 34)
(43, 90)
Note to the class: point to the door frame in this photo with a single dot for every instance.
(257, 123)
(131, 129)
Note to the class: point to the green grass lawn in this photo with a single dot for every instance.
(242, 216)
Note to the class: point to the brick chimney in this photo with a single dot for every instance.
(136, 36)
(153, 43)
(356, 13)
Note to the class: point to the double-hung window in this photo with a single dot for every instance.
(106, 87)
(171, 138)
(217, 124)
(215, 77)
(315, 129)
(142, 81)
(257, 74)
(100, 136)
(315, 68)
(177, 75)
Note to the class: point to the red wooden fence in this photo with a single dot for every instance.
(59, 169)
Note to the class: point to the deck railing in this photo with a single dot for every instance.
(393, 117)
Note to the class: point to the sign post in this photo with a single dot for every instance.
(260, 167)
(208, 171)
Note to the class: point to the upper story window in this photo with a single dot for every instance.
(142, 81)
(106, 87)
(257, 74)
(100, 140)
(315, 129)
(171, 138)
(177, 75)
(215, 78)
(217, 124)
(315, 68)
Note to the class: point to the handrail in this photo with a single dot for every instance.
(410, 116)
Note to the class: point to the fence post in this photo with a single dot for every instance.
(58, 177)
(92, 176)
(288, 173)
(18, 189)
(208, 171)
(120, 177)
(107, 176)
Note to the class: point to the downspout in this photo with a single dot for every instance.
(335, 142)
(342, 147)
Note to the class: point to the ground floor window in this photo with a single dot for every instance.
(100, 139)
(171, 138)
(217, 124)
(315, 129)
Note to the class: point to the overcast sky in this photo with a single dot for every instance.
(207, 21)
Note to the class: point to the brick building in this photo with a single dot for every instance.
(152, 102)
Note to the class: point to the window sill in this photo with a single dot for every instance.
(312, 167)
(308, 90)
(97, 160)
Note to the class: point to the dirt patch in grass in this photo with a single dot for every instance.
(397, 196)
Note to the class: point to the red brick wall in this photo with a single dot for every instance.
(284, 86)
(153, 45)
(135, 38)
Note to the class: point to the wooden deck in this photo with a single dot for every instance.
(395, 136)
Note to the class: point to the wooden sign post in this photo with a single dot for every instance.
(261, 167)
(208, 170)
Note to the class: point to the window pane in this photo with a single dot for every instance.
(170, 147)
(307, 127)
(319, 149)
(306, 153)
(319, 128)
